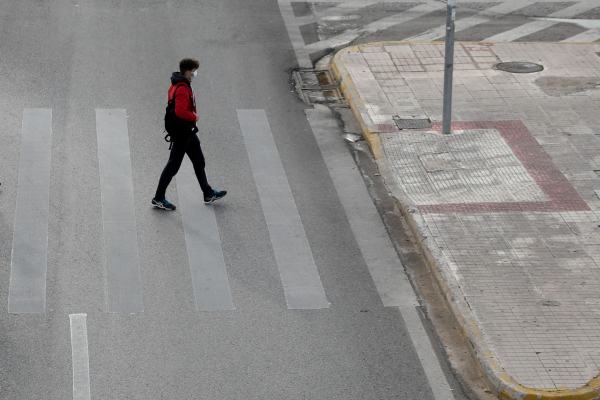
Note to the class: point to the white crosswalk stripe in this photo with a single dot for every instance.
(466, 23)
(523, 30)
(591, 35)
(123, 277)
(27, 290)
(205, 255)
(299, 276)
(307, 53)
(27, 293)
(535, 26)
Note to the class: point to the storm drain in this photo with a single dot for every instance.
(317, 87)
(520, 67)
(412, 123)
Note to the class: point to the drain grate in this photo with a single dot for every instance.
(519, 67)
(412, 123)
(316, 96)
(314, 78)
(317, 86)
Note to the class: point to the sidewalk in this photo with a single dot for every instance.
(507, 207)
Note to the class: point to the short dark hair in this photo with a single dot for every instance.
(188, 64)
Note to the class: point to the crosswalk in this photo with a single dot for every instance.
(27, 289)
(123, 277)
(27, 292)
(317, 28)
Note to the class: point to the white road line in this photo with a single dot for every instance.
(411, 13)
(412, 1)
(27, 288)
(123, 278)
(207, 265)
(293, 28)
(465, 23)
(299, 274)
(396, 19)
(346, 7)
(374, 242)
(588, 36)
(520, 31)
(80, 357)
(575, 9)
(440, 31)
(584, 23)
(535, 26)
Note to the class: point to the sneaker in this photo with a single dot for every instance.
(163, 204)
(216, 195)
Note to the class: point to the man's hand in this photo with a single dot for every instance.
(197, 117)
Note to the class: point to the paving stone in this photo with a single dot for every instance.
(510, 197)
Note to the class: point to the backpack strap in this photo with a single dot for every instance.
(168, 137)
(176, 87)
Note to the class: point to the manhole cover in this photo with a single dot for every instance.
(519, 67)
(412, 123)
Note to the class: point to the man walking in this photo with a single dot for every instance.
(185, 109)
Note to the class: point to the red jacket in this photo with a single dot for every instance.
(185, 103)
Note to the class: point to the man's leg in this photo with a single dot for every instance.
(194, 152)
(175, 158)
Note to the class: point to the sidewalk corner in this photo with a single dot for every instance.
(500, 382)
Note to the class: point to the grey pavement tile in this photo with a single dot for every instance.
(513, 266)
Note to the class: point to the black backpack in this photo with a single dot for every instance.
(177, 128)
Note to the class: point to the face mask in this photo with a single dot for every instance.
(194, 75)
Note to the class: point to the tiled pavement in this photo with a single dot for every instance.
(508, 202)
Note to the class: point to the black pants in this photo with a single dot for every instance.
(191, 147)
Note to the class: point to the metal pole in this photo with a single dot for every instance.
(449, 66)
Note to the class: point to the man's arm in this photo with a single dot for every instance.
(183, 105)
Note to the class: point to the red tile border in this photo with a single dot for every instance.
(562, 195)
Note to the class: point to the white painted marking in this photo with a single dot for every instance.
(535, 26)
(299, 275)
(27, 288)
(432, 1)
(374, 242)
(386, 269)
(207, 265)
(588, 36)
(584, 23)
(575, 9)
(123, 278)
(340, 17)
(80, 357)
(411, 13)
(520, 31)
(396, 19)
(465, 23)
(345, 8)
(440, 31)
(293, 28)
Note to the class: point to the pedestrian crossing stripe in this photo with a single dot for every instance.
(301, 20)
(205, 255)
(27, 289)
(123, 276)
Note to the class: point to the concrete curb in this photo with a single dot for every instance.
(498, 379)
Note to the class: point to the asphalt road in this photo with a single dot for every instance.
(318, 28)
(76, 56)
